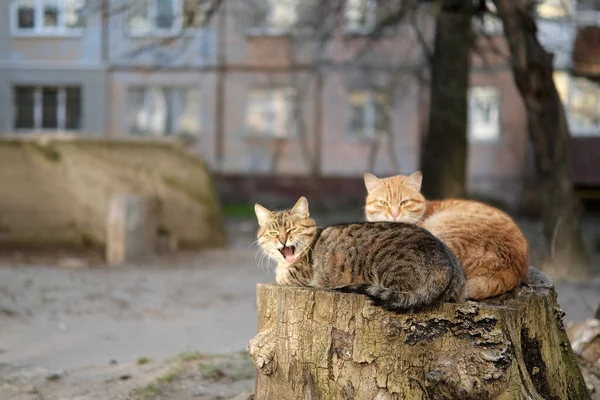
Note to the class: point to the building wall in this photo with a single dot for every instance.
(497, 168)
(192, 48)
(251, 154)
(91, 80)
(192, 60)
(203, 83)
(344, 155)
(53, 60)
(83, 49)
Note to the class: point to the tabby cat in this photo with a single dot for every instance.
(488, 243)
(399, 266)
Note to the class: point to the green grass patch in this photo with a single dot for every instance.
(149, 390)
(190, 356)
(7, 311)
(210, 371)
(171, 376)
(143, 361)
(238, 210)
(243, 374)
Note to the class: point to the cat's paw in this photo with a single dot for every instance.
(283, 277)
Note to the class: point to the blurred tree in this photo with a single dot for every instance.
(444, 150)
(445, 146)
(549, 134)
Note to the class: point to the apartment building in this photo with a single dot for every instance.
(571, 30)
(266, 94)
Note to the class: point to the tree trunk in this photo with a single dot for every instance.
(444, 151)
(549, 134)
(315, 344)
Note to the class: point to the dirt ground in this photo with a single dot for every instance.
(173, 328)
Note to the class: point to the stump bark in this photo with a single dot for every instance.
(317, 344)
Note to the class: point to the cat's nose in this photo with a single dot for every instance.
(394, 214)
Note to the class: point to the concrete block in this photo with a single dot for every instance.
(131, 229)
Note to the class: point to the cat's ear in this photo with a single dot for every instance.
(414, 180)
(262, 214)
(371, 182)
(301, 208)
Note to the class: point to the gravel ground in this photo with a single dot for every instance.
(72, 328)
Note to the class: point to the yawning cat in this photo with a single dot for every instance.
(399, 266)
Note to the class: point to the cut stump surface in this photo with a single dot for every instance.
(317, 344)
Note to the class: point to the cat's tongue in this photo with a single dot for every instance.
(288, 253)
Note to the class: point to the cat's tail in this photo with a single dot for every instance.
(393, 300)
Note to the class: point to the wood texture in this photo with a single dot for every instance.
(315, 344)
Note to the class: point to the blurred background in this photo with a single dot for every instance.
(136, 136)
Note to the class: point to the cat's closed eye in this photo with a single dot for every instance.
(292, 230)
(405, 202)
(383, 203)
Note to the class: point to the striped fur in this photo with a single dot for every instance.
(399, 266)
(490, 246)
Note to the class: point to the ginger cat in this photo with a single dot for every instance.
(400, 267)
(488, 243)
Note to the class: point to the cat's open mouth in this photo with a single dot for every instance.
(288, 253)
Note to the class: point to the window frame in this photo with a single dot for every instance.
(38, 30)
(471, 135)
(576, 131)
(268, 29)
(38, 108)
(178, 106)
(290, 96)
(489, 24)
(576, 6)
(153, 32)
(571, 7)
(366, 29)
(370, 115)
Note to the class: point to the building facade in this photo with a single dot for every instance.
(263, 91)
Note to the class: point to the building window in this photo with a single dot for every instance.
(581, 100)
(47, 17)
(489, 23)
(369, 114)
(47, 108)
(270, 113)
(274, 16)
(588, 5)
(484, 113)
(164, 17)
(359, 16)
(163, 111)
(554, 9)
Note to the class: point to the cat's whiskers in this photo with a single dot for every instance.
(264, 263)
(259, 250)
(261, 260)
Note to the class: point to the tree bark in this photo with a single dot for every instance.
(444, 151)
(549, 134)
(315, 344)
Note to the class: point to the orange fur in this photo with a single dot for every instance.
(488, 243)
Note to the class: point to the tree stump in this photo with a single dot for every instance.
(318, 344)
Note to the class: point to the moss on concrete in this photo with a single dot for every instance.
(48, 151)
(116, 165)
